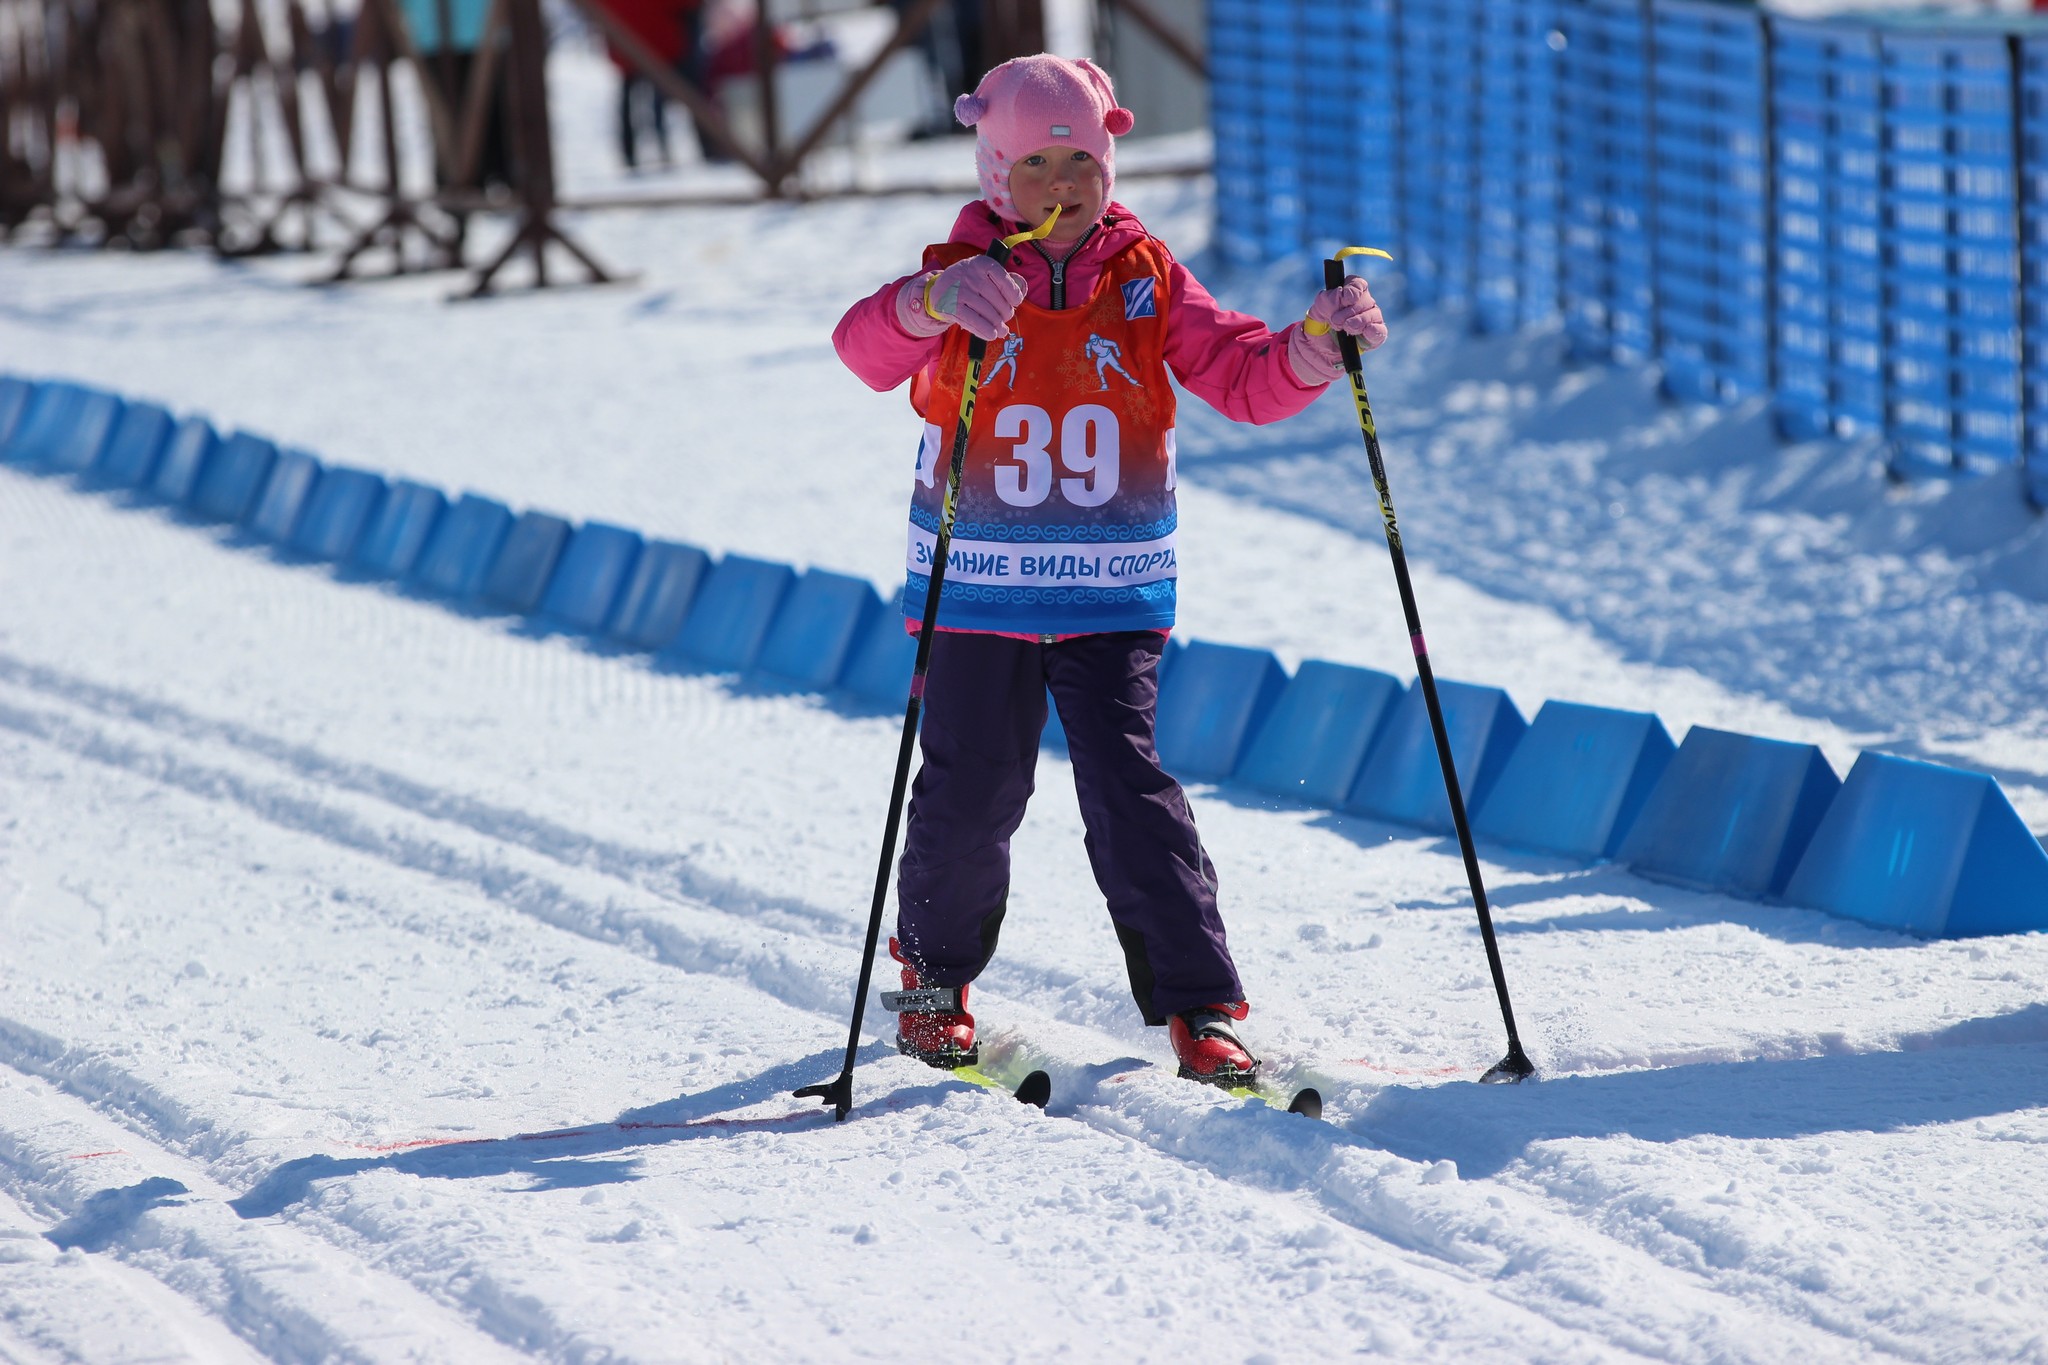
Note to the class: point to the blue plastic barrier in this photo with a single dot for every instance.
(46, 420)
(391, 542)
(232, 476)
(1316, 739)
(14, 396)
(656, 599)
(878, 670)
(93, 420)
(459, 553)
(729, 621)
(519, 575)
(275, 515)
(131, 453)
(1731, 813)
(1933, 851)
(1577, 780)
(1211, 703)
(593, 569)
(1402, 780)
(818, 627)
(338, 508)
(192, 442)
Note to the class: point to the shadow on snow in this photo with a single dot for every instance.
(564, 1158)
(1975, 1069)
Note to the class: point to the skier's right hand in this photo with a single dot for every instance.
(976, 294)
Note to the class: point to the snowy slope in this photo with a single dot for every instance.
(383, 983)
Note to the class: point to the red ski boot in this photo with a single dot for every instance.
(932, 1022)
(1209, 1048)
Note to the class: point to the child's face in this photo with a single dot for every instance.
(1064, 176)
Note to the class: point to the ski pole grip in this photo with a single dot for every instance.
(1347, 344)
(1333, 278)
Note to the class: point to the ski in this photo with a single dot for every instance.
(1034, 1090)
(1307, 1101)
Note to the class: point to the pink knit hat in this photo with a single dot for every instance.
(1042, 101)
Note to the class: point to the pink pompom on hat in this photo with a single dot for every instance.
(1042, 101)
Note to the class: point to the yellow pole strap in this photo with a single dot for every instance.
(1020, 238)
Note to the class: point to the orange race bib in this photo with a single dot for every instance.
(1065, 515)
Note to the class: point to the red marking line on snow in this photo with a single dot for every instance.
(466, 1142)
(416, 1142)
(1409, 1070)
(87, 1156)
(718, 1123)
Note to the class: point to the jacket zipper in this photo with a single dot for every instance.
(1059, 267)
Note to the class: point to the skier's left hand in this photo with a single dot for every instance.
(1348, 308)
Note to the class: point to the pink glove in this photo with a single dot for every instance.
(1348, 308)
(975, 293)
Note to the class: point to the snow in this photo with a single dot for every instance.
(388, 983)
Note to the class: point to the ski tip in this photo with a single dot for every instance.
(1308, 1102)
(1035, 1089)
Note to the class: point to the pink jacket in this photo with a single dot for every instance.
(1231, 361)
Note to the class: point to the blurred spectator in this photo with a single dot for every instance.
(670, 30)
(674, 31)
(966, 39)
(448, 34)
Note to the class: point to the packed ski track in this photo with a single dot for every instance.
(384, 982)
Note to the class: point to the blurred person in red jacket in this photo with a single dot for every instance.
(673, 31)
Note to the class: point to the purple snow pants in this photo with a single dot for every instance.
(984, 709)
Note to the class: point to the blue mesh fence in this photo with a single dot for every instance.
(1849, 216)
(1351, 165)
(1604, 130)
(1709, 179)
(1828, 337)
(1950, 249)
(2033, 132)
(1436, 49)
(1515, 275)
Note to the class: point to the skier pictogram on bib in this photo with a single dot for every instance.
(1013, 345)
(1107, 356)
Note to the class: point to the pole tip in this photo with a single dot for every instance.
(1511, 1069)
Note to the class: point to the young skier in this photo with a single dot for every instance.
(1061, 575)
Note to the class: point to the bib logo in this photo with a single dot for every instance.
(1138, 300)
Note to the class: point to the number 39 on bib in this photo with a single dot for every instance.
(1081, 454)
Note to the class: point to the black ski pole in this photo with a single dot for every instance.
(838, 1092)
(1516, 1065)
